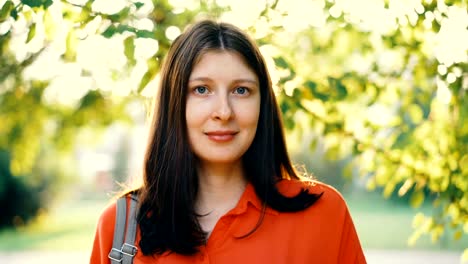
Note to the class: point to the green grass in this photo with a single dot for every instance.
(380, 224)
(69, 227)
(383, 224)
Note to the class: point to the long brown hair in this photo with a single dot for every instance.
(167, 219)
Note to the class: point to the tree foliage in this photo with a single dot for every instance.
(385, 89)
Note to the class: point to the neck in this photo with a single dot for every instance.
(220, 187)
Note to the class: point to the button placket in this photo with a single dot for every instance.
(219, 233)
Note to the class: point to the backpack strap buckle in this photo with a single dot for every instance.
(116, 255)
(129, 250)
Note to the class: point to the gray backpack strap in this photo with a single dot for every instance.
(124, 252)
(115, 254)
(128, 248)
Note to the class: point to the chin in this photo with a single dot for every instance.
(220, 159)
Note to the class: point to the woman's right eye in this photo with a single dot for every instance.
(201, 89)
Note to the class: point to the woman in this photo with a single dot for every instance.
(218, 183)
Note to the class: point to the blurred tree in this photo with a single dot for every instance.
(385, 89)
(121, 158)
(67, 65)
(388, 89)
(19, 202)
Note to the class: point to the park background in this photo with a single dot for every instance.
(373, 95)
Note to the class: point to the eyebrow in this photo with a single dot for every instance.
(206, 79)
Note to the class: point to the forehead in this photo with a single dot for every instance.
(222, 64)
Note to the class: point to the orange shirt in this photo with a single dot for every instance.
(323, 233)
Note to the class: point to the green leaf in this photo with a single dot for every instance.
(49, 25)
(284, 106)
(85, 14)
(388, 190)
(417, 198)
(289, 123)
(153, 67)
(145, 34)
(38, 3)
(92, 98)
(415, 113)
(414, 237)
(338, 88)
(458, 234)
(31, 33)
(313, 144)
(112, 29)
(464, 164)
(14, 13)
(33, 3)
(402, 140)
(436, 232)
(312, 87)
(5, 12)
(144, 81)
(120, 16)
(348, 170)
(48, 3)
(138, 5)
(418, 220)
(297, 96)
(129, 49)
(281, 62)
(371, 184)
(71, 43)
(382, 175)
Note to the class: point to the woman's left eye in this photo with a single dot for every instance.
(241, 90)
(201, 89)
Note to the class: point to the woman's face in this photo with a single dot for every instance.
(223, 106)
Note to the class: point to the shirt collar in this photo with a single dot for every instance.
(250, 198)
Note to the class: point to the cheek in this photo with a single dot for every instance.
(194, 113)
(248, 115)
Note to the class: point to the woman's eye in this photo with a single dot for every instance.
(201, 89)
(241, 90)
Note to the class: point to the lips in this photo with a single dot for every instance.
(221, 136)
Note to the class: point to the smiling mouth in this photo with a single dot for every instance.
(221, 136)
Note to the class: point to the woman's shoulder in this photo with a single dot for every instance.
(105, 232)
(106, 221)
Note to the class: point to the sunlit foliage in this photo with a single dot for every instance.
(383, 82)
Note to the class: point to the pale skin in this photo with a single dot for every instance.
(223, 105)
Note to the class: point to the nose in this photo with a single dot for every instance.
(223, 110)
